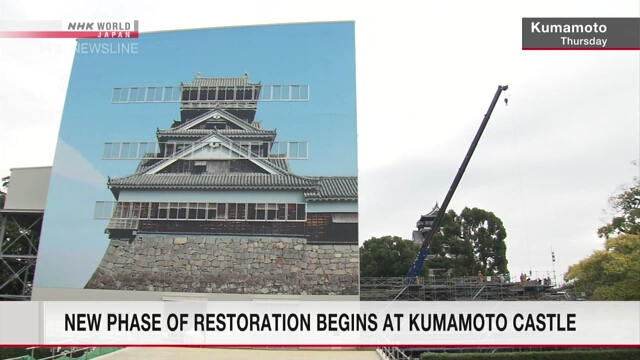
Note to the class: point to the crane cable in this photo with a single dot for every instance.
(520, 177)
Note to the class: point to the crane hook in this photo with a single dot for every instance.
(506, 101)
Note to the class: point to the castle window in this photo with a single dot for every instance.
(231, 93)
(282, 212)
(232, 211)
(301, 212)
(181, 167)
(261, 213)
(237, 212)
(296, 212)
(182, 211)
(245, 93)
(222, 211)
(144, 210)
(181, 146)
(203, 93)
(272, 210)
(163, 210)
(169, 149)
(220, 93)
(212, 93)
(117, 211)
(291, 211)
(125, 210)
(202, 211)
(197, 211)
(135, 210)
(153, 211)
(241, 212)
(251, 211)
(173, 211)
(212, 210)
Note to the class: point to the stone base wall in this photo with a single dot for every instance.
(277, 266)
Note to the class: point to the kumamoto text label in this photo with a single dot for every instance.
(581, 33)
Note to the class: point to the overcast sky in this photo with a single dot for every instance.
(426, 73)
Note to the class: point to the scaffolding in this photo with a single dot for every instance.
(468, 288)
(18, 254)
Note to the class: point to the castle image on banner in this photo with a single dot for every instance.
(214, 207)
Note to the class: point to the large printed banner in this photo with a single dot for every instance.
(290, 323)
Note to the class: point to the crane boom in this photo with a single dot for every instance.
(427, 228)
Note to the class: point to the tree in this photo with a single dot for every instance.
(626, 219)
(464, 244)
(388, 256)
(450, 252)
(612, 273)
(487, 234)
(470, 242)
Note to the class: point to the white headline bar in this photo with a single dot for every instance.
(274, 323)
(25, 25)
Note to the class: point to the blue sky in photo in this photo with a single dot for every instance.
(321, 55)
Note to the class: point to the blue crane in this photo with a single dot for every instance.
(428, 224)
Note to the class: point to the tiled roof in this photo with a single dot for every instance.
(206, 82)
(348, 218)
(213, 181)
(236, 132)
(214, 136)
(316, 188)
(204, 132)
(334, 188)
(274, 164)
(223, 114)
(281, 163)
(433, 211)
(147, 162)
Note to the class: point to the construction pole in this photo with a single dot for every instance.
(553, 267)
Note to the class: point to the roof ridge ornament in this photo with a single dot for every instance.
(197, 75)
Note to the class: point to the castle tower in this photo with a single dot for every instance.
(215, 201)
(425, 224)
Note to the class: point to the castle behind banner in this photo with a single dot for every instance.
(215, 202)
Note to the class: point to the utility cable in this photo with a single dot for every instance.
(520, 178)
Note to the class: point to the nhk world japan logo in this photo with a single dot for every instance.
(58, 29)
